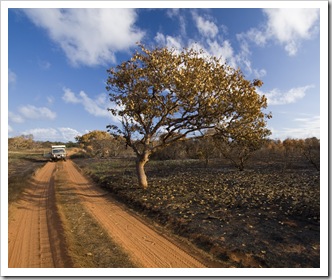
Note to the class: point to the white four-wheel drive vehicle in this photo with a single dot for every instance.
(58, 153)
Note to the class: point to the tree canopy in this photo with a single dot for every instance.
(175, 93)
(99, 143)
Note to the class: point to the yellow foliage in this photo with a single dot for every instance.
(182, 92)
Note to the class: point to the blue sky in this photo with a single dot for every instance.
(57, 61)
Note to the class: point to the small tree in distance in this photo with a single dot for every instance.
(239, 146)
(174, 94)
(99, 143)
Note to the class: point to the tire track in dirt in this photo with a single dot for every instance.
(146, 247)
(34, 228)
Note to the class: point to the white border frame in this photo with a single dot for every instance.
(324, 246)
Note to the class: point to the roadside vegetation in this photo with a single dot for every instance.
(21, 166)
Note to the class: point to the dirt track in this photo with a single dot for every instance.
(36, 236)
(34, 230)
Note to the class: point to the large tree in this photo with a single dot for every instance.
(176, 93)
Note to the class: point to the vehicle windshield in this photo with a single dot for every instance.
(58, 151)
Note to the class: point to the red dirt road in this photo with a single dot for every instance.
(36, 236)
(34, 228)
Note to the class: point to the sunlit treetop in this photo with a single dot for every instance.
(181, 92)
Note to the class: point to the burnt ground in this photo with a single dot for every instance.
(263, 217)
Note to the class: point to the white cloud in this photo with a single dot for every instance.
(12, 77)
(277, 97)
(287, 27)
(160, 39)
(43, 64)
(205, 27)
(309, 126)
(299, 128)
(290, 26)
(16, 118)
(69, 134)
(50, 100)
(89, 36)
(176, 13)
(69, 96)
(96, 107)
(259, 73)
(211, 42)
(173, 12)
(168, 41)
(257, 36)
(223, 51)
(33, 112)
(243, 57)
(43, 134)
(63, 134)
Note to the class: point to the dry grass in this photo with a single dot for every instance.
(21, 166)
(88, 244)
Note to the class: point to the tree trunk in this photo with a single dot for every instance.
(140, 163)
(241, 164)
(206, 161)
